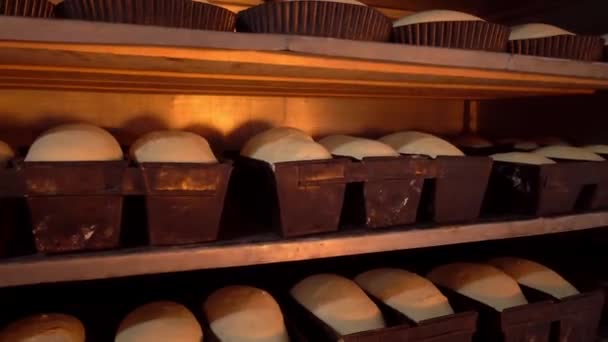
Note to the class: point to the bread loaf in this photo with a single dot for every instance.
(338, 302)
(598, 149)
(536, 276)
(522, 158)
(358, 148)
(414, 296)
(412, 142)
(160, 322)
(282, 145)
(483, 283)
(434, 16)
(74, 142)
(245, 314)
(535, 31)
(172, 147)
(51, 327)
(568, 152)
(271, 135)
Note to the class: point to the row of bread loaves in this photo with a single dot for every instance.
(248, 314)
(284, 144)
(84, 142)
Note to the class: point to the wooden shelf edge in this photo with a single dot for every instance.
(110, 264)
(66, 54)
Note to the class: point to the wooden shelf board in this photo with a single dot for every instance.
(269, 249)
(59, 54)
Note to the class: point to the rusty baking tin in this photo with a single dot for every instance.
(455, 188)
(576, 318)
(542, 190)
(453, 328)
(599, 199)
(172, 13)
(14, 235)
(184, 202)
(579, 47)
(530, 322)
(473, 35)
(296, 198)
(383, 191)
(27, 8)
(316, 18)
(74, 206)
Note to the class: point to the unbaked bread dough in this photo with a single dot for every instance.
(245, 314)
(172, 147)
(522, 158)
(412, 142)
(483, 283)
(435, 16)
(599, 149)
(358, 148)
(75, 142)
(51, 327)
(568, 152)
(160, 322)
(338, 302)
(292, 148)
(536, 276)
(414, 296)
(535, 31)
(272, 135)
(6, 152)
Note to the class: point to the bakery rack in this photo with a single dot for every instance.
(109, 74)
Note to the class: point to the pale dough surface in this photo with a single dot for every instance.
(536, 276)
(434, 16)
(358, 148)
(339, 302)
(413, 142)
(414, 296)
(535, 31)
(245, 314)
(483, 283)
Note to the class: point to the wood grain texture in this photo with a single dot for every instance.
(267, 249)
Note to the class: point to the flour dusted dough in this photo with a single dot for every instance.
(522, 158)
(160, 322)
(536, 276)
(412, 142)
(338, 302)
(483, 283)
(435, 16)
(75, 142)
(358, 148)
(44, 328)
(600, 149)
(282, 145)
(534, 31)
(406, 292)
(568, 152)
(245, 314)
(6, 152)
(172, 147)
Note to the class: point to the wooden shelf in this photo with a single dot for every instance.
(271, 249)
(74, 55)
